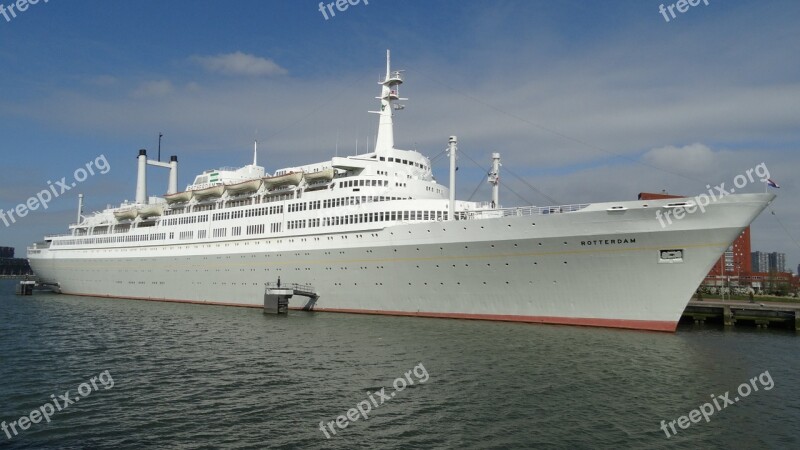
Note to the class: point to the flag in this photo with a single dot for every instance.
(773, 184)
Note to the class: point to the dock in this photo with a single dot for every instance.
(733, 313)
(25, 287)
(277, 295)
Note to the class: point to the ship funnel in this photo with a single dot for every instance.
(80, 210)
(452, 149)
(173, 175)
(141, 178)
(255, 153)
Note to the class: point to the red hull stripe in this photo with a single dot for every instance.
(650, 325)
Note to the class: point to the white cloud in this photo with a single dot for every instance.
(158, 88)
(693, 158)
(240, 64)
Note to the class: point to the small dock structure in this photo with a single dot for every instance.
(277, 295)
(25, 287)
(733, 313)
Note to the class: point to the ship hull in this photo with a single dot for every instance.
(595, 267)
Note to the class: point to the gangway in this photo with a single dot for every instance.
(277, 295)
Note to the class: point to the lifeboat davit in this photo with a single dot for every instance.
(291, 178)
(241, 188)
(179, 197)
(322, 175)
(213, 191)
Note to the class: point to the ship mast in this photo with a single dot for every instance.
(389, 93)
(494, 180)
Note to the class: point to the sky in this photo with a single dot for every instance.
(585, 101)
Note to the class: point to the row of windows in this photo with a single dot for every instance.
(356, 200)
(335, 221)
(295, 207)
(303, 206)
(406, 162)
(228, 215)
(215, 204)
(113, 239)
(274, 227)
(363, 183)
(295, 224)
(252, 212)
(265, 211)
(381, 217)
(255, 229)
(185, 220)
(278, 209)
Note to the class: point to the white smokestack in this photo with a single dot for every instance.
(453, 147)
(141, 178)
(173, 175)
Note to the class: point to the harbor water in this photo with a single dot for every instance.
(165, 375)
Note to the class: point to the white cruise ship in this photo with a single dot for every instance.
(376, 234)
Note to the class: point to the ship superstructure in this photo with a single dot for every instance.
(376, 233)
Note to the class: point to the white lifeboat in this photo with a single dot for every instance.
(246, 186)
(322, 175)
(180, 197)
(291, 178)
(151, 210)
(126, 213)
(213, 191)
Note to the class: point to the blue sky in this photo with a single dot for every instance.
(589, 101)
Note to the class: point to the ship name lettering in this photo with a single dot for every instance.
(609, 241)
